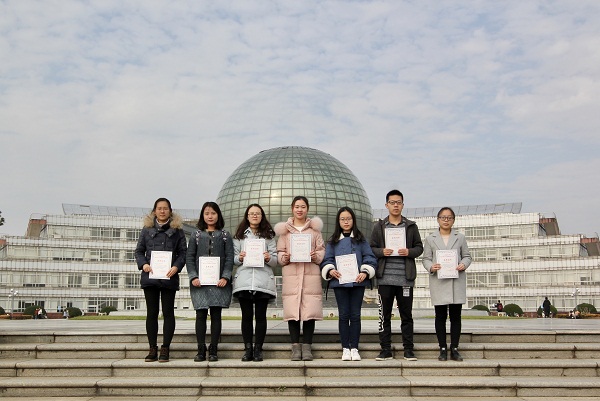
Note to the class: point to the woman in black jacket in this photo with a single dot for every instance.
(162, 232)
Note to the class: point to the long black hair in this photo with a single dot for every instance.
(220, 221)
(335, 237)
(264, 228)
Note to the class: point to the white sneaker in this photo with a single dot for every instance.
(354, 354)
(346, 355)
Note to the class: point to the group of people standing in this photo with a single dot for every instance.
(348, 262)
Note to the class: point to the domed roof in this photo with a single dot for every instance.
(273, 177)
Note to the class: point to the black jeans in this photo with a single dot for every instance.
(215, 325)
(308, 330)
(441, 311)
(387, 294)
(251, 308)
(154, 297)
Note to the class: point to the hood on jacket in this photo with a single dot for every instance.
(288, 226)
(176, 220)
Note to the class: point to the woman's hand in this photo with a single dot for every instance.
(267, 256)
(172, 271)
(461, 267)
(196, 282)
(242, 256)
(334, 274)
(436, 267)
(147, 268)
(222, 283)
(361, 277)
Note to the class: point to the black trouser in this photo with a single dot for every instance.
(308, 330)
(215, 325)
(441, 311)
(251, 308)
(387, 294)
(154, 297)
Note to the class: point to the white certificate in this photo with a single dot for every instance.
(395, 238)
(160, 262)
(300, 245)
(448, 259)
(255, 252)
(209, 270)
(347, 266)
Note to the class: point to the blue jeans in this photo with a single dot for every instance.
(349, 301)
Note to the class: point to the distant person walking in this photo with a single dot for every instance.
(162, 232)
(546, 306)
(447, 281)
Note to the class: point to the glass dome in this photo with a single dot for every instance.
(273, 177)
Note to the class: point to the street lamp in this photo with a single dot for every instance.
(12, 294)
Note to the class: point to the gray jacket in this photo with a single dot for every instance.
(254, 278)
(450, 290)
(203, 244)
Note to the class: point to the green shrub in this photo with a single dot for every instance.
(586, 309)
(513, 310)
(74, 312)
(108, 309)
(553, 311)
(2, 312)
(481, 307)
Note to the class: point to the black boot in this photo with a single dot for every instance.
(212, 353)
(164, 354)
(201, 356)
(152, 355)
(258, 353)
(455, 355)
(443, 354)
(247, 353)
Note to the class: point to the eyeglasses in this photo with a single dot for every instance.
(345, 218)
(446, 218)
(254, 214)
(394, 203)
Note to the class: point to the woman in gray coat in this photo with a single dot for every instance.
(254, 281)
(210, 240)
(447, 294)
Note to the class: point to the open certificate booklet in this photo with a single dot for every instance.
(160, 262)
(347, 266)
(255, 252)
(395, 238)
(209, 270)
(448, 259)
(300, 246)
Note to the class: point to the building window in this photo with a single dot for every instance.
(102, 280)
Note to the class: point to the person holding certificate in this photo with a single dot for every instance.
(446, 257)
(210, 265)
(255, 254)
(160, 255)
(350, 264)
(300, 250)
(396, 243)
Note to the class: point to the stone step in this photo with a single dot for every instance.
(234, 336)
(267, 386)
(295, 398)
(114, 350)
(38, 368)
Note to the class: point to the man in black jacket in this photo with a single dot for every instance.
(396, 273)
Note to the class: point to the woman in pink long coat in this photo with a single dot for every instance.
(302, 292)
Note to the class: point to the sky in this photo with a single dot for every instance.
(452, 102)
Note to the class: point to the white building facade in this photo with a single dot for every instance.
(85, 258)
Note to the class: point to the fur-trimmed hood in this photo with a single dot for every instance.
(176, 221)
(284, 226)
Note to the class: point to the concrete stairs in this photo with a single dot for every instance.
(104, 365)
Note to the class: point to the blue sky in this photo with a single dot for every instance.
(453, 102)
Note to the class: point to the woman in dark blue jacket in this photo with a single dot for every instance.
(162, 232)
(349, 291)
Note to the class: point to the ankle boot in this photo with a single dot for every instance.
(212, 353)
(164, 354)
(455, 355)
(258, 353)
(296, 352)
(201, 356)
(307, 352)
(152, 354)
(248, 356)
(443, 354)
